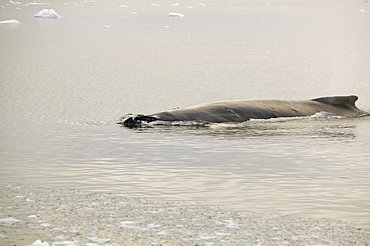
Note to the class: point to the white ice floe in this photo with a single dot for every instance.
(161, 233)
(40, 243)
(47, 13)
(99, 241)
(362, 11)
(65, 243)
(14, 3)
(127, 224)
(9, 220)
(154, 226)
(32, 216)
(176, 15)
(12, 21)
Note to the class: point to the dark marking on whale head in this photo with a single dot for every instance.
(135, 121)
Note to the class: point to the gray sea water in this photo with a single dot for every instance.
(65, 82)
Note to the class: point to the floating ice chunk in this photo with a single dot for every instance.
(205, 237)
(47, 13)
(134, 13)
(9, 220)
(40, 243)
(176, 15)
(161, 233)
(12, 21)
(38, 3)
(154, 4)
(107, 26)
(124, 6)
(127, 224)
(65, 243)
(156, 244)
(154, 226)
(174, 5)
(362, 11)
(98, 240)
(32, 216)
(14, 3)
(231, 224)
(73, 231)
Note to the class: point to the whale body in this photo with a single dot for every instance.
(244, 110)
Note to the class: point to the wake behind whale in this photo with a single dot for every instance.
(245, 110)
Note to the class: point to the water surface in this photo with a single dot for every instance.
(64, 83)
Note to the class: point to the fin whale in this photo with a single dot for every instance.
(244, 110)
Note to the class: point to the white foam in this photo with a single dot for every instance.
(176, 15)
(47, 13)
(12, 21)
(322, 114)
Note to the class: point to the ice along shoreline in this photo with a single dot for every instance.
(75, 217)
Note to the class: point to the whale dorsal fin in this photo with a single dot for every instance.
(344, 101)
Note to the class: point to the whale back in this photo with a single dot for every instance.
(244, 110)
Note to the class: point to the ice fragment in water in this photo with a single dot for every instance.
(12, 21)
(65, 243)
(176, 15)
(9, 220)
(47, 13)
(39, 243)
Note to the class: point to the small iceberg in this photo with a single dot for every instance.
(47, 13)
(40, 243)
(175, 15)
(12, 21)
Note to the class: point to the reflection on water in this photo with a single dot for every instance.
(339, 128)
(306, 167)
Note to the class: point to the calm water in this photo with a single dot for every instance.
(64, 83)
